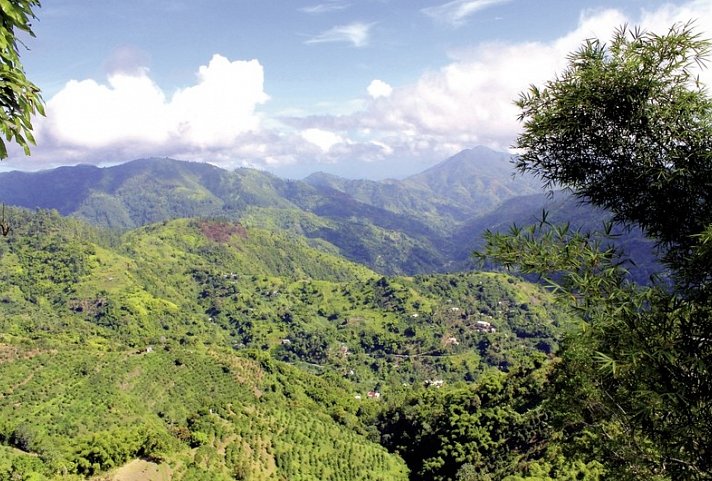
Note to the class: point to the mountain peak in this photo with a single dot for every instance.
(164, 162)
(321, 177)
(481, 159)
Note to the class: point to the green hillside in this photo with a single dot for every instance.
(429, 222)
(204, 414)
(468, 184)
(208, 350)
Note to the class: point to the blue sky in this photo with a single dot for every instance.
(368, 88)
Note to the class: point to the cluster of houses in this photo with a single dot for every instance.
(369, 395)
(484, 326)
(435, 383)
(480, 326)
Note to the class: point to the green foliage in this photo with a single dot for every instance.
(88, 412)
(19, 98)
(15, 465)
(627, 127)
(486, 430)
(427, 223)
(168, 344)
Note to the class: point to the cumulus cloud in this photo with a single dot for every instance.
(127, 109)
(470, 101)
(456, 12)
(131, 108)
(379, 88)
(467, 102)
(356, 33)
(323, 139)
(222, 105)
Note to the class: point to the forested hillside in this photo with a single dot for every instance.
(638, 252)
(163, 320)
(212, 350)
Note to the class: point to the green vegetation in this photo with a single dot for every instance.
(628, 127)
(225, 337)
(217, 351)
(87, 411)
(427, 223)
(19, 98)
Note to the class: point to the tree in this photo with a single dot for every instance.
(628, 127)
(19, 98)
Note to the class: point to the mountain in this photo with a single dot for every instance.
(560, 208)
(475, 180)
(223, 331)
(468, 184)
(429, 222)
(204, 349)
(392, 226)
(123, 196)
(151, 190)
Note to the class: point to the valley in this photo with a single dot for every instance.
(538, 315)
(233, 325)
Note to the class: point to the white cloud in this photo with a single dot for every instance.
(456, 12)
(467, 102)
(128, 109)
(356, 33)
(325, 8)
(222, 105)
(379, 88)
(323, 139)
(387, 149)
(660, 20)
(471, 100)
(131, 108)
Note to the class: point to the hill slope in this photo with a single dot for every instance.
(214, 351)
(561, 208)
(468, 184)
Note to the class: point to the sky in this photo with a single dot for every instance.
(359, 88)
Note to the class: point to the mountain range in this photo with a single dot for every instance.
(428, 222)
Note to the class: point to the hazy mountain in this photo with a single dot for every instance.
(475, 180)
(393, 226)
(560, 208)
(468, 184)
(428, 222)
(126, 195)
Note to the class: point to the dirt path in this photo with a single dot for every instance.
(140, 470)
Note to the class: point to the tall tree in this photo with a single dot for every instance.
(19, 98)
(628, 127)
